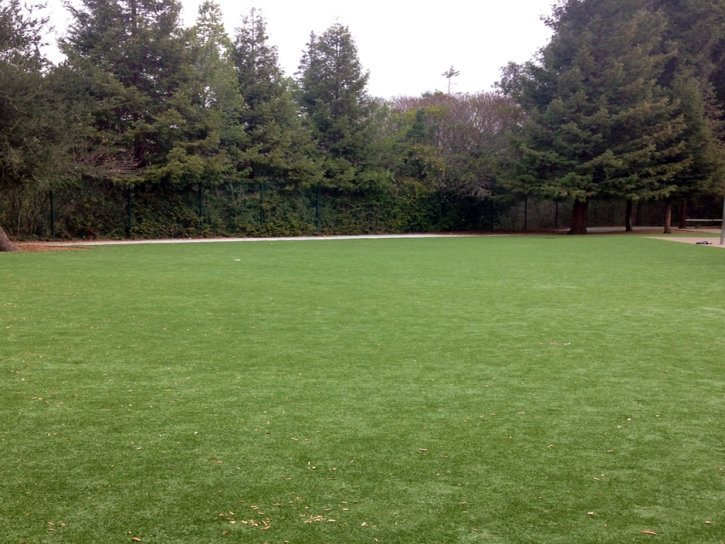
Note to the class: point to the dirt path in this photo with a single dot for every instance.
(714, 240)
(39, 246)
(710, 234)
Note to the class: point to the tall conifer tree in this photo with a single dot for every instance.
(205, 109)
(278, 148)
(32, 122)
(334, 96)
(131, 53)
(599, 124)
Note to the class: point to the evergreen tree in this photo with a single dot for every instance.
(333, 95)
(702, 145)
(32, 123)
(278, 148)
(208, 105)
(599, 124)
(696, 76)
(131, 53)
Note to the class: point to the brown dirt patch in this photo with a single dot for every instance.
(32, 247)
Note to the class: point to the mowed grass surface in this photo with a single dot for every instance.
(421, 390)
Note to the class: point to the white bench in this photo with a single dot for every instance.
(703, 221)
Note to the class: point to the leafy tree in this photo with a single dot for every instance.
(459, 143)
(599, 124)
(334, 97)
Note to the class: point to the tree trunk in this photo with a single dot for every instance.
(683, 214)
(5, 243)
(579, 217)
(628, 216)
(668, 216)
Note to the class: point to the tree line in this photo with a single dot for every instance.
(624, 103)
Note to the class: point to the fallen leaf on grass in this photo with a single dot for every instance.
(423, 449)
(136, 539)
(590, 513)
(649, 532)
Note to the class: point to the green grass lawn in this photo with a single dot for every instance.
(503, 389)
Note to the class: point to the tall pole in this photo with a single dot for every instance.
(130, 210)
(52, 215)
(261, 203)
(722, 227)
(201, 207)
(317, 217)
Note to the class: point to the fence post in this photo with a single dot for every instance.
(722, 227)
(201, 207)
(317, 215)
(261, 203)
(52, 215)
(130, 209)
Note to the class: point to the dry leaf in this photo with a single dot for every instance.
(136, 539)
(649, 532)
(423, 449)
(590, 513)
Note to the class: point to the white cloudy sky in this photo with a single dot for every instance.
(405, 45)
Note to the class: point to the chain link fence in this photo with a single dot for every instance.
(270, 209)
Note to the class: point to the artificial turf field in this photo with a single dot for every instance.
(486, 389)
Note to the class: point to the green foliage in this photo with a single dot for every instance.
(458, 143)
(278, 147)
(624, 103)
(132, 54)
(334, 97)
(598, 122)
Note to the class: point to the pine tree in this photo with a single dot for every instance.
(599, 124)
(278, 148)
(208, 105)
(32, 126)
(131, 54)
(334, 97)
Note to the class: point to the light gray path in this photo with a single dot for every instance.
(268, 239)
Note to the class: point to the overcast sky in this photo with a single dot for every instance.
(405, 45)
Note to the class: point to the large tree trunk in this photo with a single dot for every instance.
(668, 216)
(579, 217)
(683, 214)
(5, 243)
(628, 216)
